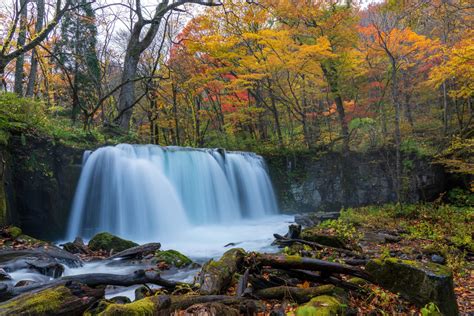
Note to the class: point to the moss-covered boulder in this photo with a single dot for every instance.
(172, 257)
(421, 283)
(323, 305)
(315, 235)
(13, 232)
(108, 242)
(145, 307)
(216, 276)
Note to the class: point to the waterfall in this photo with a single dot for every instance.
(145, 192)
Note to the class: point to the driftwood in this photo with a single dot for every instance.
(242, 285)
(93, 280)
(67, 299)
(282, 240)
(301, 263)
(137, 252)
(296, 294)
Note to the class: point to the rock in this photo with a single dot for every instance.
(108, 242)
(382, 238)
(4, 276)
(323, 305)
(421, 283)
(438, 259)
(315, 235)
(142, 292)
(47, 267)
(313, 219)
(76, 247)
(215, 276)
(216, 309)
(12, 232)
(24, 283)
(68, 299)
(172, 258)
(120, 300)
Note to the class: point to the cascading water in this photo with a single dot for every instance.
(146, 192)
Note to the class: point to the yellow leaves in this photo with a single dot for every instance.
(458, 66)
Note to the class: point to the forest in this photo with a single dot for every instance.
(127, 118)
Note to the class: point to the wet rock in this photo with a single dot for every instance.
(172, 258)
(4, 276)
(438, 259)
(13, 260)
(323, 305)
(421, 283)
(120, 300)
(110, 243)
(215, 276)
(24, 283)
(47, 267)
(77, 247)
(142, 292)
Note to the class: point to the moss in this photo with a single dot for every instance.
(31, 240)
(293, 258)
(421, 283)
(358, 281)
(315, 235)
(323, 305)
(13, 231)
(173, 258)
(109, 242)
(141, 307)
(40, 303)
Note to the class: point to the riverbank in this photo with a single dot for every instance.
(269, 283)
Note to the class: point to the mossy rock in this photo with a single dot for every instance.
(13, 231)
(420, 283)
(144, 307)
(30, 240)
(315, 235)
(108, 242)
(172, 258)
(323, 305)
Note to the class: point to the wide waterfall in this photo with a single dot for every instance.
(146, 192)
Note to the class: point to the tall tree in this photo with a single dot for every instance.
(77, 53)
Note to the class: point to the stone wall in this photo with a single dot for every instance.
(39, 181)
(328, 182)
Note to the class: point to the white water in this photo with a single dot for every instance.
(169, 194)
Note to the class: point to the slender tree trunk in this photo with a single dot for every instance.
(331, 75)
(398, 137)
(20, 60)
(30, 88)
(276, 118)
(175, 114)
(445, 109)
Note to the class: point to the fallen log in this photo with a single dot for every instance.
(93, 280)
(216, 276)
(71, 298)
(296, 294)
(242, 284)
(138, 251)
(317, 278)
(282, 240)
(300, 263)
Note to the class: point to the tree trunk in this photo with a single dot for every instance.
(331, 75)
(397, 134)
(127, 92)
(30, 88)
(20, 60)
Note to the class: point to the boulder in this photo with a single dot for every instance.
(323, 305)
(110, 243)
(77, 247)
(172, 258)
(420, 283)
(46, 267)
(316, 236)
(4, 276)
(216, 276)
